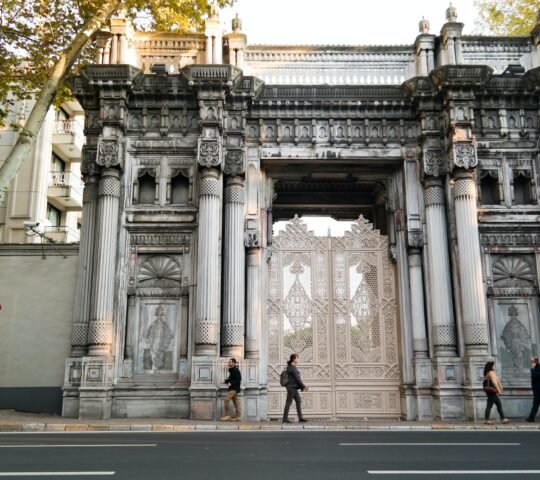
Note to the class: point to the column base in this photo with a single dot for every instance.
(408, 402)
(203, 392)
(424, 380)
(447, 393)
(255, 404)
(95, 403)
(70, 402)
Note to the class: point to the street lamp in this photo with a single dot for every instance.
(32, 231)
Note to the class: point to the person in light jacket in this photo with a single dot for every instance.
(293, 385)
(493, 398)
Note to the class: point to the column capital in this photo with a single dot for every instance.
(234, 163)
(110, 153)
(464, 155)
(109, 183)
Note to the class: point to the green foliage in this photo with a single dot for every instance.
(33, 34)
(508, 17)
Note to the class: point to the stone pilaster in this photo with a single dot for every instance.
(208, 291)
(443, 328)
(420, 346)
(472, 290)
(253, 304)
(83, 295)
(101, 323)
(232, 335)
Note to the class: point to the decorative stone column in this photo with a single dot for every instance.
(232, 335)
(101, 324)
(416, 281)
(208, 285)
(472, 289)
(443, 328)
(83, 293)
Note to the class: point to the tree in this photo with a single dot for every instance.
(508, 17)
(42, 40)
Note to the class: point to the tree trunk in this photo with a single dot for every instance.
(44, 100)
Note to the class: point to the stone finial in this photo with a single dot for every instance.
(214, 9)
(451, 13)
(236, 24)
(423, 26)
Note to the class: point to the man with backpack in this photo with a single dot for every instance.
(233, 381)
(293, 383)
(535, 383)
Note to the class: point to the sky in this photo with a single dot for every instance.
(352, 22)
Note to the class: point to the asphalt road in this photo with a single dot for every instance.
(273, 455)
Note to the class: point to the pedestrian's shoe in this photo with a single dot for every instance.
(529, 419)
(506, 420)
(237, 419)
(286, 421)
(302, 420)
(488, 422)
(225, 418)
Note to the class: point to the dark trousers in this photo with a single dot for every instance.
(536, 404)
(292, 393)
(492, 399)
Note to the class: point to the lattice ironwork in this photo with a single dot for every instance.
(332, 301)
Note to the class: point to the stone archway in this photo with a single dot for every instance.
(332, 300)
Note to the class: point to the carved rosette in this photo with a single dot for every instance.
(109, 153)
(234, 163)
(464, 155)
(209, 154)
(434, 164)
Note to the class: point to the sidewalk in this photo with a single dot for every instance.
(12, 421)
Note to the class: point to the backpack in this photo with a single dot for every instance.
(284, 378)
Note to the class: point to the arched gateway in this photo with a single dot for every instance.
(332, 301)
(189, 161)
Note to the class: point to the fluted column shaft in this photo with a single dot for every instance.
(101, 324)
(470, 265)
(443, 328)
(208, 292)
(420, 346)
(232, 335)
(253, 310)
(83, 292)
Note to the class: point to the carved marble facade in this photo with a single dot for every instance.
(435, 160)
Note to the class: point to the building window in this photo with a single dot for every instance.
(53, 215)
(57, 164)
(179, 190)
(489, 188)
(147, 189)
(61, 115)
(522, 188)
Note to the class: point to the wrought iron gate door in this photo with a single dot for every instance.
(332, 301)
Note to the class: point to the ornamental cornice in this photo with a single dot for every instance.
(470, 76)
(223, 76)
(532, 78)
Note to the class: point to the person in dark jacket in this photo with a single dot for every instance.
(535, 381)
(233, 381)
(293, 385)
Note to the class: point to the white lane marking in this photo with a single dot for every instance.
(116, 445)
(435, 444)
(453, 472)
(56, 474)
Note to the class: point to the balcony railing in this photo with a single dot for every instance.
(66, 188)
(61, 234)
(69, 137)
(70, 127)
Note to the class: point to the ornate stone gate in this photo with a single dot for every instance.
(332, 301)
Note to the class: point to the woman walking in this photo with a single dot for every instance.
(293, 385)
(493, 388)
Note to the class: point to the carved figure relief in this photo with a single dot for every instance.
(158, 338)
(517, 339)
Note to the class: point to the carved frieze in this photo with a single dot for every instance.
(464, 155)
(161, 239)
(234, 163)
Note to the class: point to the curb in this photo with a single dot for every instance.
(212, 427)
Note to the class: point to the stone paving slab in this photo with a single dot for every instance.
(11, 421)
